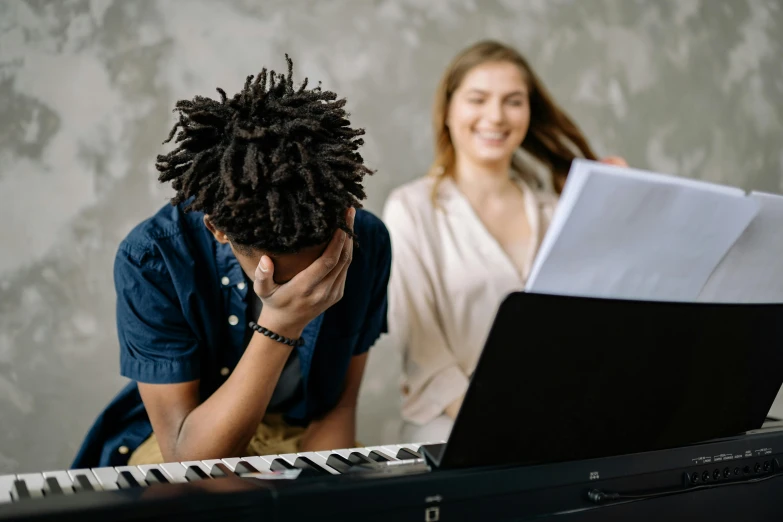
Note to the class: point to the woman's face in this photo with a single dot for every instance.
(489, 114)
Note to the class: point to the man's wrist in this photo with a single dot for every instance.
(284, 328)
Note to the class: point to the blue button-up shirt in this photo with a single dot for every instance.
(182, 311)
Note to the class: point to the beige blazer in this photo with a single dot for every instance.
(448, 278)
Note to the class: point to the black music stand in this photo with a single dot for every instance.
(570, 378)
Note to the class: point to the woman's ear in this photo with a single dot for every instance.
(220, 236)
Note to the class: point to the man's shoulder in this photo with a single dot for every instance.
(161, 234)
(371, 233)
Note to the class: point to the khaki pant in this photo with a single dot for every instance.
(272, 437)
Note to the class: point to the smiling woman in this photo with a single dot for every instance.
(466, 235)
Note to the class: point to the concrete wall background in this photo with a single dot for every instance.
(691, 87)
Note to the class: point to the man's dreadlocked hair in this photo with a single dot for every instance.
(274, 168)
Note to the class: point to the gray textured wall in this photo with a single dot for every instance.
(86, 89)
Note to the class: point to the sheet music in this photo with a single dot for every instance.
(752, 271)
(633, 234)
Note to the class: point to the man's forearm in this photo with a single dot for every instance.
(223, 425)
(336, 430)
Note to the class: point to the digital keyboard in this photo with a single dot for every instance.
(737, 478)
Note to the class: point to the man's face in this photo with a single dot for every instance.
(286, 265)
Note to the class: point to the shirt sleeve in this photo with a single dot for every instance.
(157, 345)
(433, 377)
(376, 321)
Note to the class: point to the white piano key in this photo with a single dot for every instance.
(144, 468)
(63, 479)
(341, 452)
(73, 473)
(320, 460)
(288, 457)
(383, 449)
(260, 463)
(136, 472)
(211, 462)
(107, 477)
(231, 462)
(186, 464)
(175, 470)
(35, 483)
(6, 483)
(412, 447)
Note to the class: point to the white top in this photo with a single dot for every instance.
(449, 276)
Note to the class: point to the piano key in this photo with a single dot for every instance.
(391, 449)
(196, 463)
(280, 464)
(144, 470)
(133, 470)
(107, 477)
(243, 467)
(195, 472)
(87, 474)
(156, 476)
(408, 454)
(342, 452)
(340, 463)
(220, 470)
(379, 456)
(52, 487)
(175, 470)
(126, 480)
(307, 464)
(260, 463)
(360, 459)
(34, 483)
(6, 483)
(231, 462)
(319, 460)
(82, 483)
(19, 491)
(414, 446)
(63, 479)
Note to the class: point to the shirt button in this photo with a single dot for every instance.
(224, 371)
(241, 285)
(123, 450)
(225, 280)
(233, 320)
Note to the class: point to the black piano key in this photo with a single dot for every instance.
(359, 458)
(339, 463)
(379, 456)
(408, 454)
(280, 465)
(52, 487)
(19, 490)
(195, 473)
(244, 467)
(155, 476)
(220, 470)
(126, 480)
(82, 483)
(307, 464)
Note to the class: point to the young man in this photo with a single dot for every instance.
(245, 309)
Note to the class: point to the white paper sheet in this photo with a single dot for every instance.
(752, 270)
(632, 234)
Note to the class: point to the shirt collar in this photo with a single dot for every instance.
(228, 266)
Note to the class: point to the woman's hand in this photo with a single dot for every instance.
(614, 160)
(290, 306)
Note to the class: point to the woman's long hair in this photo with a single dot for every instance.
(552, 137)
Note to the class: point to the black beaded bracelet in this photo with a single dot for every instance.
(275, 336)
